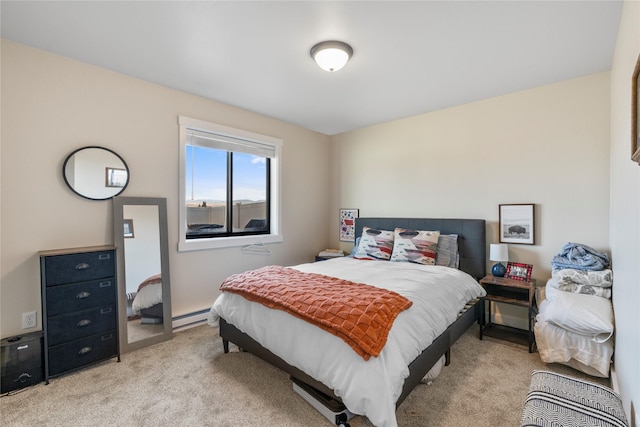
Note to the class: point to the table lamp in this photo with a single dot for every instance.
(499, 252)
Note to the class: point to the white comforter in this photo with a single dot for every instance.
(147, 297)
(371, 387)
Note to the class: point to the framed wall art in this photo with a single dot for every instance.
(518, 271)
(115, 177)
(348, 224)
(517, 224)
(635, 113)
(128, 228)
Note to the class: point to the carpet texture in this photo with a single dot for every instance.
(189, 381)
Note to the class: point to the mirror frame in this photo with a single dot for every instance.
(73, 153)
(635, 113)
(118, 221)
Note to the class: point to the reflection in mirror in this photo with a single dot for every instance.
(144, 300)
(95, 173)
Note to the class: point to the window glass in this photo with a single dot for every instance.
(229, 186)
(249, 189)
(206, 181)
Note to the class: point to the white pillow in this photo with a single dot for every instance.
(587, 315)
(558, 345)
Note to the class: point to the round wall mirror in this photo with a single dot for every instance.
(95, 173)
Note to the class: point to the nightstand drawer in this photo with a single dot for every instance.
(81, 352)
(79, 267)
(66, 327)
(80, 296)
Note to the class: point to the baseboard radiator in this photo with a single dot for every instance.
(190, 320)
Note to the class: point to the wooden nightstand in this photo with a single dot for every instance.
(509, 291)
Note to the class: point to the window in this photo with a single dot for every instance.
(228, 186)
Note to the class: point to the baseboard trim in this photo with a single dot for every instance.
(189, 320)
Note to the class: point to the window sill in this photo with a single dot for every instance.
(226, 242)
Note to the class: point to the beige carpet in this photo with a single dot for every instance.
(189, 381)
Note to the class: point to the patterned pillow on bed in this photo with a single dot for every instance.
(374, 244)
(447, 251)
(415, 246)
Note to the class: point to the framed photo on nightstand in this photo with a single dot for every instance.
(518, 271)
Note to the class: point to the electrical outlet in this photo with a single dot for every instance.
(29, 320)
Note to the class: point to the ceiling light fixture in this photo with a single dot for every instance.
(331, 55)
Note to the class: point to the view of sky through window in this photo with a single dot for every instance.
(207, 173)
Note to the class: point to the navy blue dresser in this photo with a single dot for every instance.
(79, 308)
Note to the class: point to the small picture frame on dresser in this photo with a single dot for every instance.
(518, 271)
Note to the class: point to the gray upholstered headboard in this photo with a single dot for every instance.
(472, 245)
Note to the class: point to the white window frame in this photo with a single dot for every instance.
(275, 234)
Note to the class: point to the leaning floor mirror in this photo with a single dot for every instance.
(144, 291)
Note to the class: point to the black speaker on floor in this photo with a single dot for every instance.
(21, 361)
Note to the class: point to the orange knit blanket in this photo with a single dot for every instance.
(360, 314)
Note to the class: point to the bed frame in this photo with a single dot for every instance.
(472, 249)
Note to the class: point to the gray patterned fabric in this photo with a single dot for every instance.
(559, 400)
(603, 278)
(596, 283)
(447, 251)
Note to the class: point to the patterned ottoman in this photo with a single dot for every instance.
(560, 400)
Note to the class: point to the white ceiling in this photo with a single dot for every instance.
(409, 57)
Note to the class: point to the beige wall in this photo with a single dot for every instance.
(52, 105)
(548, 146)
(625, 212)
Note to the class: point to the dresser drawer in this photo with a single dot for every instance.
(75, 354)
(79, 267)
(80, 296)
(67, 327)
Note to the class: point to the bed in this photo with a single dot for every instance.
(328, 366)
(147, 303)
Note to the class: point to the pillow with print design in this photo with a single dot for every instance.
(417, 246)
(374, 244)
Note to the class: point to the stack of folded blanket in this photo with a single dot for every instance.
(574, 325)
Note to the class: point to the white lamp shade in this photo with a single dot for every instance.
(331, 55)
(499, 252)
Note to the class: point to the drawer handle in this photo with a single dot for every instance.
(104, 256)
(83, 322)
(84, 350)
(105, 310)
(105, 284)
(83, 294)
(82, 266)
(106, 337)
